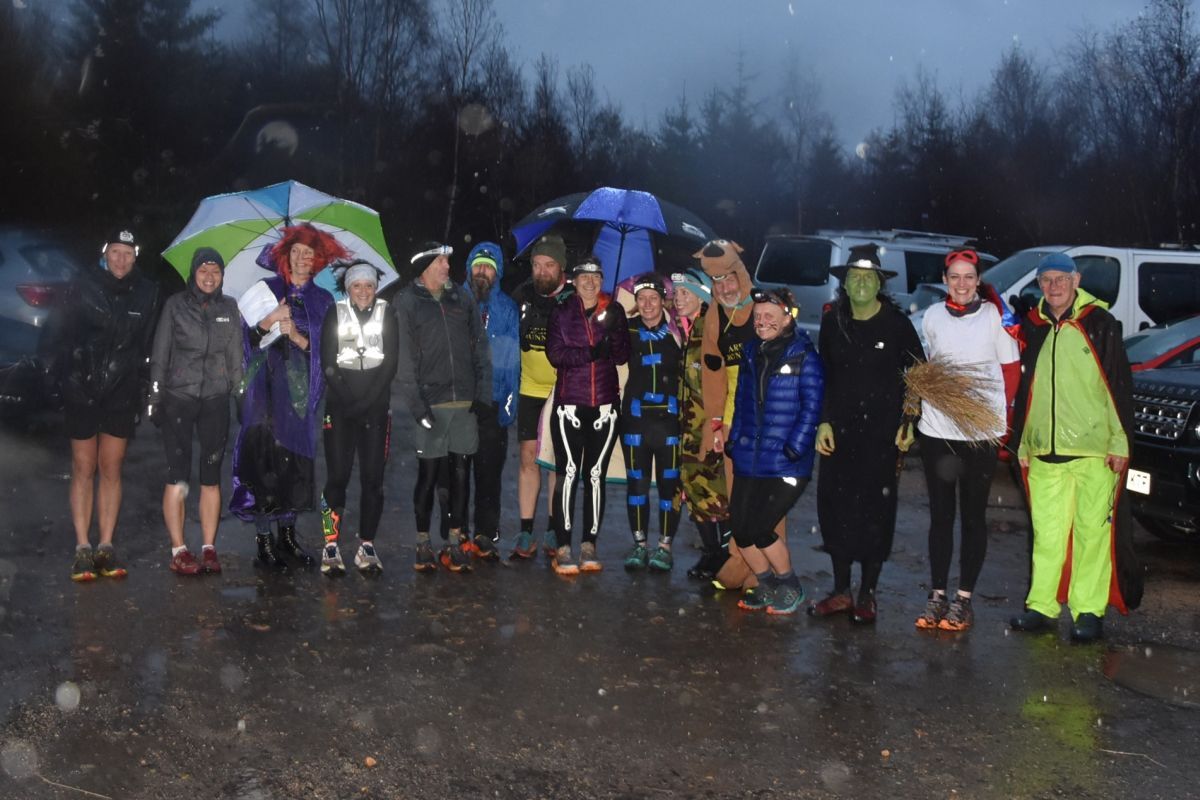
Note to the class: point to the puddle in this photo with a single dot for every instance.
(1161, 671)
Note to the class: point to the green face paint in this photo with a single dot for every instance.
(862, 286)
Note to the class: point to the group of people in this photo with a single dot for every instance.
(715, 399)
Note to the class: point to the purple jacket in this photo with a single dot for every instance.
(571, 334)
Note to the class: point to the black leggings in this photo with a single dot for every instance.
(456, 465)
(651, 442)
(758, 504)
(369, 435)
(487, 467)
(583, 438)
(949, 464)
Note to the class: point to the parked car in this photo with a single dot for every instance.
(35, 270)
(1164, 473)
(802, 264)
(1169, 344)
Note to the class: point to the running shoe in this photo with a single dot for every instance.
(785, 599)
(637, 559)
(836, 603)
(106, 564)
(960, 617)
(455, 559)
(367, 560)
(550, 543)
(563, 562)
(755, 599)
(935, 610)
(661, 560)
(184, 563)
(588, 562)
(425, 561)
(524, 548)
(83, 570)
(209, 562)
(331, 560)
(485, 548)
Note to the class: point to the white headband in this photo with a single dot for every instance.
(362, 272)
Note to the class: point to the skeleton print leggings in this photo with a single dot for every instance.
(583, 438)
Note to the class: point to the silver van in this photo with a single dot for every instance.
(802, 264)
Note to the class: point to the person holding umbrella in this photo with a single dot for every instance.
(588, 337)
(273, 478)
(195, 366)
(866, 343)
(359, 347)
(102, 348)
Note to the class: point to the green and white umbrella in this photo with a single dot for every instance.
(238, 225)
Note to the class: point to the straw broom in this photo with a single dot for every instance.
(957, 390)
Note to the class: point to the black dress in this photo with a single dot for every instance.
(864, 397)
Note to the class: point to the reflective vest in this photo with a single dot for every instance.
(360, 346)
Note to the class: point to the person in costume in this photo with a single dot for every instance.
(702, 475)
(195, 366)
(866, 343)
(968, 332)
(588, 337)
(728, 325)
(779, 391)
(536, 299)
(650, 425)
(273, 479)
(445, 379)
(1073, 427)
(501, 321)
(102, 338)
(359, 348)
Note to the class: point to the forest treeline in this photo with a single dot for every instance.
(452, 127)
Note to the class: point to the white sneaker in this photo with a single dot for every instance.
(331, 560)
(366, 560)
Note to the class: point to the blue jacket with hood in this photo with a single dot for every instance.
(503, 330)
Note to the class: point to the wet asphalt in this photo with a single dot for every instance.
(513, 683)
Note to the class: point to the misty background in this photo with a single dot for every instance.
(1016, 122)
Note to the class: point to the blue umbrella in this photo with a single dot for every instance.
(626, 221)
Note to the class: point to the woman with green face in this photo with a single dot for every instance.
(866, 342)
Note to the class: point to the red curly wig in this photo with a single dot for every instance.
(325, 249)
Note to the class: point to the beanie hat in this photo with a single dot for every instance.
(553, 246)
(1056, 262)
(361, 271)
(485, 257)
(121, 236)
(696, 282)
(207, 255)
(428, 253)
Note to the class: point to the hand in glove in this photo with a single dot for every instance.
(482, 410)
(601, 349)
(154, 413)
(424, 417)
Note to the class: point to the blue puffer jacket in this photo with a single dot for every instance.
(777, 409)
(503, 330)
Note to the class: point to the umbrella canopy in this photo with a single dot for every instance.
(238, 225)
(626, 222)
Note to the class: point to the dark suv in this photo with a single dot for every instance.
(1164, 476)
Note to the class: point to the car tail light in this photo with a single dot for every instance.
(825, 309)
(37, 295)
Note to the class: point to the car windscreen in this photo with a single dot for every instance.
(1153, 342)
(49, 261)
(1007, 272)
(799, 262)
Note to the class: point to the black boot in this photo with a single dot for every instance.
(710, 541)
(289, 546)
(268, 558)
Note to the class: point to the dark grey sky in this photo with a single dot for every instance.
(647, 53)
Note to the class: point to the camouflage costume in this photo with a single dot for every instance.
(703, 477)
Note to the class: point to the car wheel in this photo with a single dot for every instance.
(1170, 531)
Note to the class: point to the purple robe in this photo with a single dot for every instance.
(273, 456)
